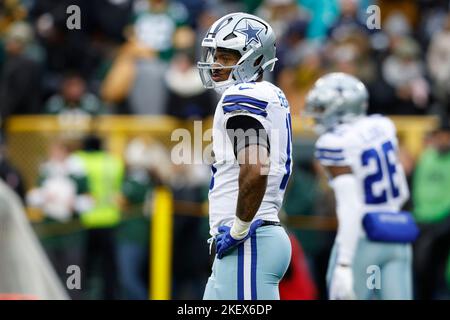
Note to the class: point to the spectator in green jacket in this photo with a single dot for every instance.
(431, 185)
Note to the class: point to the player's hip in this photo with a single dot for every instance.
(370, 255)
(377, 265)
(253, 269)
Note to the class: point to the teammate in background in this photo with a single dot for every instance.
(359, 154)
(250, 173)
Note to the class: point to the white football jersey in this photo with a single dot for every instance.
(369, 146)
(266, 103)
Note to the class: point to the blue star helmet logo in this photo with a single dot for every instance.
(251, 33)
(340, 90)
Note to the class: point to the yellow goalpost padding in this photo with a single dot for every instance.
(161, 244)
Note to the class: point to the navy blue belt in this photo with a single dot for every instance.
(270, 223)
(265, 223)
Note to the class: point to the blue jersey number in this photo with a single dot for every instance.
(378, 175)
(283, 101)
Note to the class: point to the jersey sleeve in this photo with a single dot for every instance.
(246, 102)
(245, 99)
(332, 150)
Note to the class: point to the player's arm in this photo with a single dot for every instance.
(251, 148)
(348, 209)
(252, 180)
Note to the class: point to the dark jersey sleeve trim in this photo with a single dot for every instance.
(244, 131)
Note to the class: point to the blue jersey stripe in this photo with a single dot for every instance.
(236, 107)
(214, 170)
(253, 267)
(329, 150)
(240, 274)
(237, 98)
(322, 157)
(285, 179)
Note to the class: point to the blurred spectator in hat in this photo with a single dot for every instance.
(433, 17)
(187, 98)
(300, 77)
(404, 72)
(397, 27)
(352, 54)
(194, 9)
(110, 17)
(291, 46)
(74, 99)
(348, 21)
(299, 58)
(156, 22)
(280, 13)
(382, 95)
(67, 48)
(134, 83)
(438, 59)
(432, 211)
(20, 75)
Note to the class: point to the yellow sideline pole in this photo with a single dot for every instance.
(161, 245)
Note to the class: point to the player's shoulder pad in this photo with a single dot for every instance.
(385, 122)
(331, 150)
(246, 98)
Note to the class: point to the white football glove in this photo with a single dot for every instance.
(341, 286)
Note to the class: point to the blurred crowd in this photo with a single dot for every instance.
(139, 57)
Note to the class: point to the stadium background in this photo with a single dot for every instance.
(129, 76)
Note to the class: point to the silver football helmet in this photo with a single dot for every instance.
(247, 34)
(336, 98)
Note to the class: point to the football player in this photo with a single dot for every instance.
(372, 254)
(252, 148)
